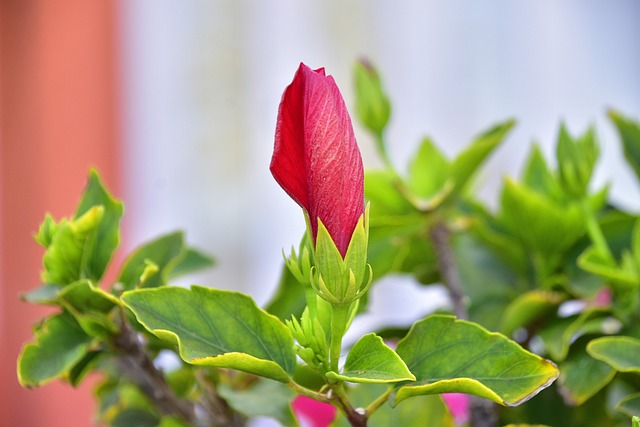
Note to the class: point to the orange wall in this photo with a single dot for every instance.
(58, 117)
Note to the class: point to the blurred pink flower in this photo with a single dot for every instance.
(458, 404)
(311, 413)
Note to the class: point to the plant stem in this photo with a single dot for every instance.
(356, 417)
(339, 320)
(482, 412)
(381, 400)
(136, 364)
(441, 238)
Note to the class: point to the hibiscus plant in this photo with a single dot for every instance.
(545, 287)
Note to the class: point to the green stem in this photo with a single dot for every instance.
(595, 232)
(356, 417)
(309, 393)
(339, 320)
(382, 150)
(381, 400)
(312, 302)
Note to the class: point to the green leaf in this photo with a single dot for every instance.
(629, 131)
(216, 328)
(576, 159)
(582, 376)
(67, 258)
(538, 177)
(192, 260)
(100, 250)
(90, 306)
(529, 307)
(449, 355)
(630, 405)
(428, 171)
(172, 422)
(636, 421)
(265, 398)
(412, 413)
(562, 332)
(619, 352)
(539, 223)
(372, 361)
(59, 344)
(166, 252)
(372, 104)
(468, 161)
(45, 294)
(85, 297)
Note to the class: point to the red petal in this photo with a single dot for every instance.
(316, 159)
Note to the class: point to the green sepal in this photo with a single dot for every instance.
(216, 328)
(449, 355)
(370, 360)
(337, 280)
(311, 337)
(300, 264)
(59, 344)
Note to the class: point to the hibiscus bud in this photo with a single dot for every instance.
(316, 160)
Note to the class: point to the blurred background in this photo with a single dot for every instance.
(175, 103)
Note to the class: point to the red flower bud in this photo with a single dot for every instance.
(316, 159)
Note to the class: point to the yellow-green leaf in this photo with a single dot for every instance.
(449, 355)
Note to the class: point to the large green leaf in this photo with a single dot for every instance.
(165, 253)
(582, 376)
(629, 131)
(372, 361)
(100, 249)
(216, 328)
(417, 412)
(621, 353)
(449, 355)
(59, 344)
